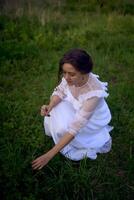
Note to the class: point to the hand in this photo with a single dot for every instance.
(41, 161)
(45, 109)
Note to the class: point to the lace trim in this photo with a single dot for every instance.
(95, 93)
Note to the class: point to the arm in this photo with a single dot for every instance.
(45, 109)
(56, 98)
(81, 118)
(41, 161)
(54, 101)
(83, 115)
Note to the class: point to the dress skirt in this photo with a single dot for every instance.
(93, 138)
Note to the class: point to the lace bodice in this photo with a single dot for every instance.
(87, 97)
(92, 84)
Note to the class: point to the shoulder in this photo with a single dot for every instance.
(63, 82)
(96, 88)
(94, 83)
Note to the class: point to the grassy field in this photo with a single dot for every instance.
(30, 48)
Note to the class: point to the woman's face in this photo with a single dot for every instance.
(72, 76)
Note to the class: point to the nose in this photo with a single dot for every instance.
(66, 76)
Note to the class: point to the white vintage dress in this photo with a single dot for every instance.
(84, 113)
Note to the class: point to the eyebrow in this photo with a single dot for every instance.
(68, 72)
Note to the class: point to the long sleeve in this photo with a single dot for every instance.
(59, 90)
(82, 116)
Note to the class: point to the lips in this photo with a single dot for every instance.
(69, 82)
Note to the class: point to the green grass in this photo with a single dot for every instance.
(30, 51)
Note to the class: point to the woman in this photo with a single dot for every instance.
(77, 116)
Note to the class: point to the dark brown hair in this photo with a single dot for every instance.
(79, 59)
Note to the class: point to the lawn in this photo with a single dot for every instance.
(30, 49)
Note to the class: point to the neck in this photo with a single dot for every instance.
(83, 81)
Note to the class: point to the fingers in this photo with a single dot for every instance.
(37, 167)
(45, 110)
(43, 113)
(39, 163)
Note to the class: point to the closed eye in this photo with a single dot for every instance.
(70, 73)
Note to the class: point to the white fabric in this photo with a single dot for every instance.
(86, 116)
(83, 114)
